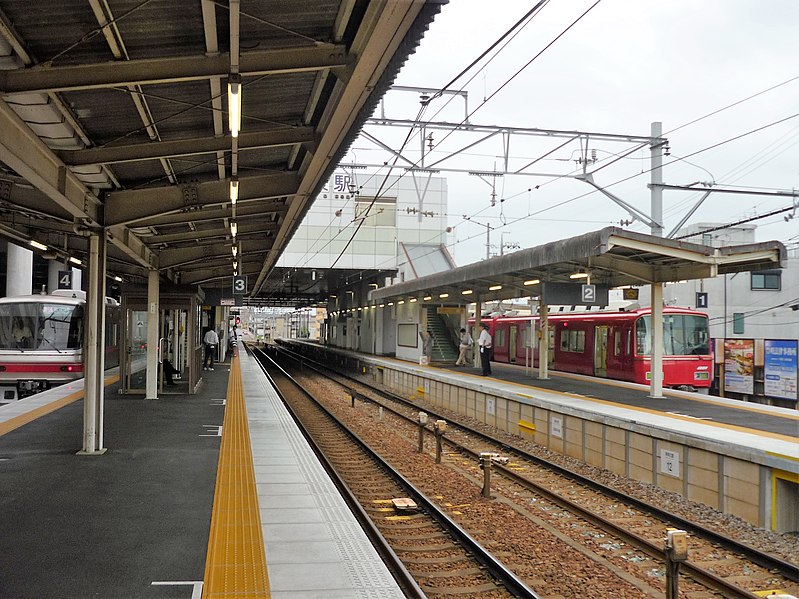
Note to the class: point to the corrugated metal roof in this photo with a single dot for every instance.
(146, 81)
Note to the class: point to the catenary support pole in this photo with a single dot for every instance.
(656, 333)
(543, 342)
(657, 180)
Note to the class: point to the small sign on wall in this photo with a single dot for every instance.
(556, 426)
(670, 463)
(491, 406)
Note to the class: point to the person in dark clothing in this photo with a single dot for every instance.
(485, 344)
(169, 372)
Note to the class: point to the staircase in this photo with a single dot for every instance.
(444, 350)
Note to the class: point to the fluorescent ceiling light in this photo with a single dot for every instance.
(234, 104)
(413, 299)
(118, 279)
(532, 282)
(495, 288)
(75, 261)
(427, 298)
(443, 295)
(399, 303)
(234, 190)
(579, 275)
(467, 292)
(37, 245)
(234, 228)
(235, 250)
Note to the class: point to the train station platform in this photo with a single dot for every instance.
(156, 515)
(740, 458)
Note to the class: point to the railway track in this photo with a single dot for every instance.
(429, 554)
(730, 568)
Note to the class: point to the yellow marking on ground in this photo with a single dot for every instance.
(526, 425)
(23, 419)
(397, 518)
(438, 496)
(382, 500)
(235, 565)
(768, 593)
(456, 513)
(609, 383)
(385, 509)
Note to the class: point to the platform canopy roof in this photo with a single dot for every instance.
(612, 256)
(114, 116)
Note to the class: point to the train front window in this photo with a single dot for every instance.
(41, 326)
(683, 335)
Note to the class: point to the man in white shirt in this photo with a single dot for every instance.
(464, 346)
(484, 342)
(211, 341)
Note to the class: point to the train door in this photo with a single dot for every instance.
(601, 351)
(551, 348)
(514, 331)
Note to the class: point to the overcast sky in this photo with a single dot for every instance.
(622, 66)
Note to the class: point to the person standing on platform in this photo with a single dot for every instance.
(427, 346)
(211, 341)
(485, 343)
(464, 346)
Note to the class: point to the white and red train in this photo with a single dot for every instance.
(611, 344)
(41, 341)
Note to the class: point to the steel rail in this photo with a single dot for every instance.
(494, 567)
(764, 560)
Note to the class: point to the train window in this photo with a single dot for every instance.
(572, 341)
(617, 342)
(683, 335)
(500, 340)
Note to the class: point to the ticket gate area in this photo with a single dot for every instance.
(180, 347)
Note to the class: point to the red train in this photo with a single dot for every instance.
(614, 345)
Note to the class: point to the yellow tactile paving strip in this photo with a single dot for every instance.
(236, 562)
(23, 419)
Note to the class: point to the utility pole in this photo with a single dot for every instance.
(488, 233)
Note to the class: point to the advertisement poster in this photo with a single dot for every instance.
(780, 368)
(739, 362)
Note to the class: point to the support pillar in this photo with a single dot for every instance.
(543, 342)
(656, 334)
(94, 348)
(153, 313)
(19, 270)
(476, 332)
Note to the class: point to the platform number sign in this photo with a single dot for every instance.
(589, 294)
(65, 279)
(240, 284)
(701, 300)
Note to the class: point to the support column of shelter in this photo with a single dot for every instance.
(656, 383)
(19, 270)
(543, 341)
(476, 332)
(94, 344)
(153, 313)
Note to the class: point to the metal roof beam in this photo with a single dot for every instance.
(244, 209)
(170, 70)
(187, 147)
(218, 233)
(130, 206)
(175, 257)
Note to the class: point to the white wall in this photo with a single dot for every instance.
(409, 314)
